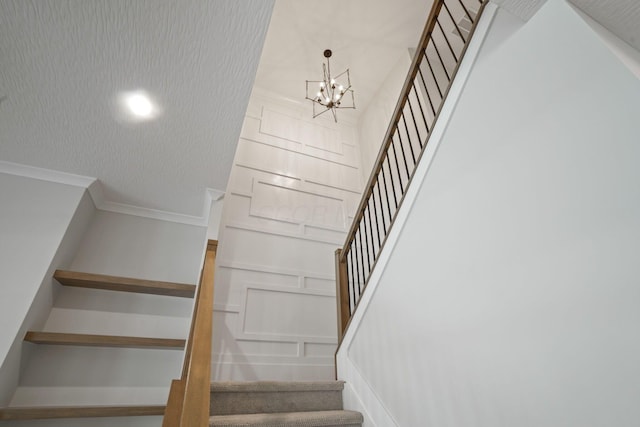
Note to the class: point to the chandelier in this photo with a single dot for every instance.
(330, 93)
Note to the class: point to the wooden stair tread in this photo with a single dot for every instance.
(124, 284)
(41, 412)
(59, 338)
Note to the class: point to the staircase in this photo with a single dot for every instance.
(94, 333)
(236, 404)
(283, 404)
(232, 404)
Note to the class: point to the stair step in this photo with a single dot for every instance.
(290, 419)
(41, 412)
(231, 398)
(124, 284)
(58, 338)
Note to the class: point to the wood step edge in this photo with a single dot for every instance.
(124, 284)
(43, 412)
(59, 338)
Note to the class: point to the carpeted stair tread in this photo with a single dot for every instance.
(275, 386)
(262, 397)
(290, 419)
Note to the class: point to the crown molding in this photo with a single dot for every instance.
(94, 188)
(46, 174)
(210, 196)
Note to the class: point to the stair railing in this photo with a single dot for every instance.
(188, 402)
(442, 45)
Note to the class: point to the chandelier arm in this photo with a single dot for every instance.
(322, 112)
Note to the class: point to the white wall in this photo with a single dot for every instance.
(215, 217)
(121, 245)
(625, 52)
(375, 119)
(511, 296)
(133, 246)
(294, 184)
(40, 227)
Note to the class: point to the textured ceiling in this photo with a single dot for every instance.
(524, 9)
(621, 17)
(64, 62)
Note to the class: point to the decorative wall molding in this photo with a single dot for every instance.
(243, 325)
(250, 370)
(303, 108)
(272, 359)
(290, 163)
(285, 147)
(301, 236)
(226, 308)
(273, 270)
(294, 183)
(347, 155)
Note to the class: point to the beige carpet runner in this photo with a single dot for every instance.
(280, 404)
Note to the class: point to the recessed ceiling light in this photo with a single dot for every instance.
(138, 106)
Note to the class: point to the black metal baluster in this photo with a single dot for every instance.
(444, 67)
(413, 117)
(455, 57)
(369, 249)
(466, 11)
(433, 74)
(395, 157)
(361, 263)
(352, 290)
(375, 215)
(406, 129)
(426, 89)
(424, 118)
(384, 223)
(404, 157)
(454, 22)
(386, 192)
(393, 187)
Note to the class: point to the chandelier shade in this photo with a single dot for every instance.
(332, 92)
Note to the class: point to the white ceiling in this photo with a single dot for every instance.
(64, 61)
(621, 17)
(366, 36)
